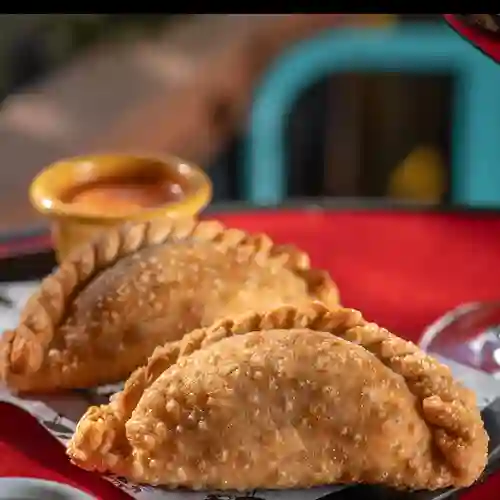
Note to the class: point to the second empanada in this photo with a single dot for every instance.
(104, 310)
(290, 398)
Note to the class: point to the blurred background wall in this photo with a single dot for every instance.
(184, 84)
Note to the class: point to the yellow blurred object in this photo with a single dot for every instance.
(420, 177)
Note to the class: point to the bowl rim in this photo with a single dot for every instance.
(44, 485)
(198, 197)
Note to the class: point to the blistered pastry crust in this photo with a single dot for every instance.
(24, 351)
(107, 437)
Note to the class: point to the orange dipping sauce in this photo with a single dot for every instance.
(119, 197)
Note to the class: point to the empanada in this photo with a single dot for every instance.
(102, 313)
(290, 398)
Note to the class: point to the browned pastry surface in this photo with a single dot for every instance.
(289, 398)
(104, 310)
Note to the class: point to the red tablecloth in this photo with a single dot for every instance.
(402, 270)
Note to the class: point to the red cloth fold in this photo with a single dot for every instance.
(402, 270)
(484, 41)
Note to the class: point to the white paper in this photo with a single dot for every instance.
(59, 414)
(15, 294)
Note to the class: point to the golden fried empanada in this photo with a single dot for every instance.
(104, 310)
(290, 398)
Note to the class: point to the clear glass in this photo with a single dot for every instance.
(469, 334)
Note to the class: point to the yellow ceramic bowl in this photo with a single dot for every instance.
(73, 224)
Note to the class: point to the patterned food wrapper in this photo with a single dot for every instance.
(59, 414)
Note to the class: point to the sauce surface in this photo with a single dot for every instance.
(123, 196)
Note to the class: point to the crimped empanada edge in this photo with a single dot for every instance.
(447, 407)
(22, 350)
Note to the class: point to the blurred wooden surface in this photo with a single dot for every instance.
(186, 93)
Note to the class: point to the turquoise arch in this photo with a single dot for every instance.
(413, 48)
